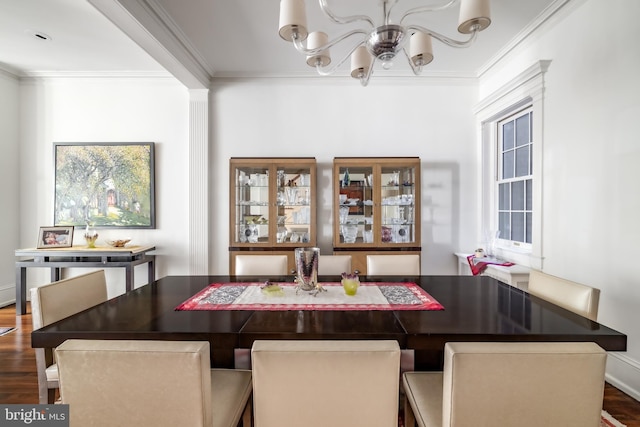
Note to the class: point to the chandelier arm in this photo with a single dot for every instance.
(386, 12)
(423, 9)
(327, 71)
(444, 39)
(302, 49)
(346, 19)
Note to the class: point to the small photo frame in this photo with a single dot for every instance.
(55, 237)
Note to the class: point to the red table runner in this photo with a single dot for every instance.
(370, 296)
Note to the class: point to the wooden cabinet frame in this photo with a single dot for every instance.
(267, 180)
(370, 182)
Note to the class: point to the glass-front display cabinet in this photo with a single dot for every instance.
(376, 206)
(272, 205)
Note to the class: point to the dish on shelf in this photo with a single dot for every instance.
(118, 243)
(254, 219)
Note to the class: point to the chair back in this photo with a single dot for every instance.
(393, 265)
(136, 383)
(523, 384)
(334, 265)
(53, 302)
(325, 383)
(575, 297)
(57, 300)
(261, 265)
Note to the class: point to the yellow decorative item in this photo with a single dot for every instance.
(350, 283)
(272, 289)
(90, 236)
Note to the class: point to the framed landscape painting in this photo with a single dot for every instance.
(104, 185)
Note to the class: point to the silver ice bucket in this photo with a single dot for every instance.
(307, 268)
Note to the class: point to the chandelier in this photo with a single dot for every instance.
(378, 42)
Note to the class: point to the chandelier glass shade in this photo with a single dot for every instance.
(378, 42)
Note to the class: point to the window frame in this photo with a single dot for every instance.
(524, 91)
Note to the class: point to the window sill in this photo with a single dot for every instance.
(516, 275)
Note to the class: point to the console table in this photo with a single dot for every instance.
(77, 256)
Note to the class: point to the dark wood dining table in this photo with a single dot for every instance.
(476, 308)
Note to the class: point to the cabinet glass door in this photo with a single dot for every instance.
(356, 204)
(252, 218)
(377, 203)
(294, 207)
(397, 204)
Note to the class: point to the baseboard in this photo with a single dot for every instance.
(7, 294)
(623, 373)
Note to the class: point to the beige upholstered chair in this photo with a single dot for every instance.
(325, 383)
(53, 302)
(393, 265)
(334, 265)
(150, 383)
(509, 384)
(575, 297)
(261, 265)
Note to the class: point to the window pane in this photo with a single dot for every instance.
(522, 130)
(522, 161)
(514, 184)
(517, 196)
(507, 164)
(517, 226)
(507, 135)
(504, 225)
(504, 197)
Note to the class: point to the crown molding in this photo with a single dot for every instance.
(148, 24)
(171, 28)
(408, 79)
(9, 72)
(547, 14)
(95, 74)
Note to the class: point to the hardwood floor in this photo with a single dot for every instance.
(19, 383)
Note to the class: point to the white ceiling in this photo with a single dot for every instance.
(224, 37)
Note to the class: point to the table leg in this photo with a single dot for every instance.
(128, 278)
(21, 291)
(151, 275)
(55, 274)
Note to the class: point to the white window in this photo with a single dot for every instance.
(511, 130)
(515, 179)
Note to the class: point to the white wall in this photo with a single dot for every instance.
(590, 161)
(326, 119)
(9, 184)
(107, 110)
